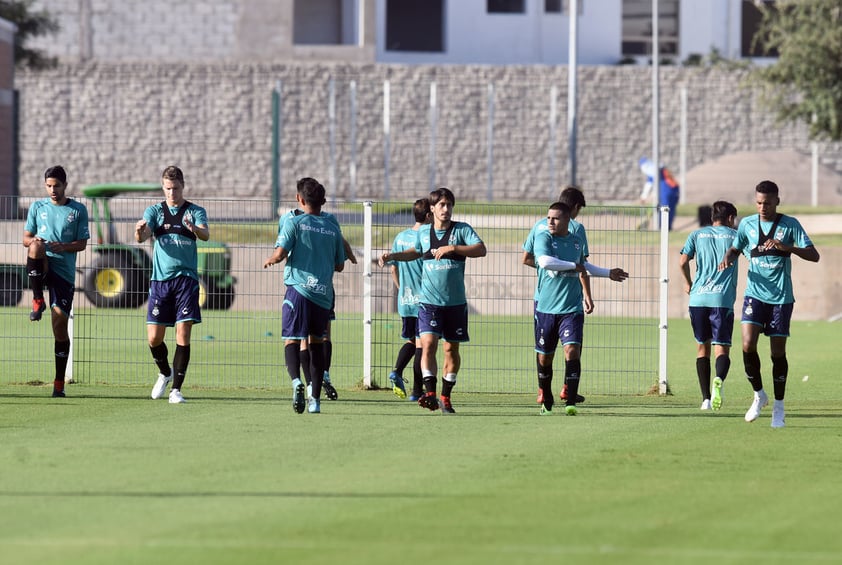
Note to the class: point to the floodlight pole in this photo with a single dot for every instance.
(572, 61)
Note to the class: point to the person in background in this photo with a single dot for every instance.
(56, 230)
(712, 296)
(668, 190)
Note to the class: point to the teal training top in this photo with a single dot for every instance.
(287, 216)
(314, 244)
(409, 273)
(175, 253)
(711, 287)
(65, 223)
(770, 273)
(443, 281)
(573, 227)
(562, 293)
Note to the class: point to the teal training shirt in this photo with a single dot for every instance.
(770, 275)
(314, 244)
(287, 216)
(443, 281)
(562, 293)
(711, 287)
(175, 254)
(409, 273)
(573, 227)
(65, 223)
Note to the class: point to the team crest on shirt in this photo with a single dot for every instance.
(71, 217)
(779, 235)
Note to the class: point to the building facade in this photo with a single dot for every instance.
(7, 120)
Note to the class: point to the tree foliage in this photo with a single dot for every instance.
(805, 83)
(30, 23)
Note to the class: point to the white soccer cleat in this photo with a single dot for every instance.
(760, 400)
(705, 404)
(778, 414)
(160, 386)
(175, 397)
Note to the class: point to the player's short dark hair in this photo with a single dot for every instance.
(442, 193)
(767, 187)
(311, 191)
(721, 210)
(57, 172)
(572, 195)
(174, 174)
(421, 209)
(564, 208)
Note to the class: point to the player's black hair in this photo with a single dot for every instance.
(442, 193)
(767, 187)
(721, 210)
(572, 196)
(311, 191)
(57, 172)
(421, 210)
(173, 173)
(565, 209)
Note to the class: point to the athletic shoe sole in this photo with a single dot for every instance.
(716, 394)
(330, 392)
(298, 401)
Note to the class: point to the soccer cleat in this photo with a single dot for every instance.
(58, 393)
(327, 386)
(415, 396)
(38, 307)
(778, 414)
(705, 404)
(315, 406)
(429, 401)
(310, 391)
(563, 395)
(571, 410)
(397, 385)
(547, 405)
(540, 398)
(760, 400)
(716, 394)
(160, 386)
(175, 397)
(446, 406)
(298, 402)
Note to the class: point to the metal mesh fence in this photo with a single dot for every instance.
(238, 343)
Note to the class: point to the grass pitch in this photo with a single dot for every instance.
(108, 475)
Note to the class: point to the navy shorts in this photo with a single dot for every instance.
(61, 292)
(773, 318)
(447, 322)
(549, 328)
(409, 331)
(715, 325)
(301, 318)
(173, 302)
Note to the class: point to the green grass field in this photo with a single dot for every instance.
(234, 476)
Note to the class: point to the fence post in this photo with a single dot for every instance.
(276, 150)
(663, 384)
(367, 297)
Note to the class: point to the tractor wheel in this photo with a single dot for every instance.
(212, 297)
(115, 282)
(11, 289)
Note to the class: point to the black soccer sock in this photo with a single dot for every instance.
(417, 378)
(430, 383)
(703, 371)
(404, 355)
(572, 371)
(447, 386)
(328, 355)
(35, 269)
(62, 351)
(317, 367)
(545, 383)
(292, 358)
(780, 369)
(305, 359)
(160, 354)
(180, 360)
(723, 365)
(751, 361)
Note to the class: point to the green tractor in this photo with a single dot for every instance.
(119, 275)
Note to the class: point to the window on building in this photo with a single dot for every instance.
(560, 6)
(317, 22)
(637, 27)
(506, 6)
(415, 25)
(750, 24)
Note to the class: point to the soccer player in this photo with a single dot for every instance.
(559, 313)
(769, 239)
(443, 312)
(407, 278)
(574, 198)
(304, 355)
(312, 244)
(56, 230)
(176, 224)
(712, 296)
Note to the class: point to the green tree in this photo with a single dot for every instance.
(805, 83)
(30, 23)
